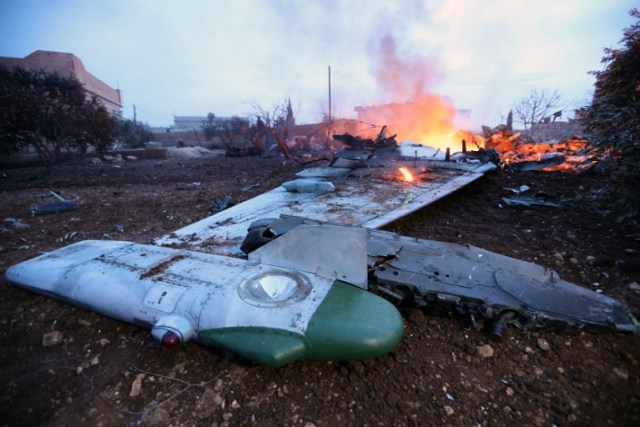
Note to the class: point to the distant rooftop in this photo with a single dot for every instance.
(192, 122)
(68, 65)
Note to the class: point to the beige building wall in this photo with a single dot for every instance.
(556, 131)
(69, 65)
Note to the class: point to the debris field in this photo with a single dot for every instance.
(61, 365)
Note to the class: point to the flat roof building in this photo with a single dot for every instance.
(69, 65)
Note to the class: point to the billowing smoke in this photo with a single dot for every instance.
(401, 77)
(409, 108)
(385, 43)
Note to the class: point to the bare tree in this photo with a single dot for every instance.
(276, 123)
(228, 130)
(232, 129)
(537, 107)
(256, 135)
(329, 123)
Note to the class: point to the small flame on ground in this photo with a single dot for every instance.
(406, 174)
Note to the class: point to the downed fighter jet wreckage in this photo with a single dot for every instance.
(302, 273)
(566, 155)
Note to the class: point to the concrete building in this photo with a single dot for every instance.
(556, 131)
(69, 65)
(183, 123)
(189, 122)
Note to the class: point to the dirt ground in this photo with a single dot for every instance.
(436, 376)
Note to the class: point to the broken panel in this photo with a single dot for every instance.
(455, 279)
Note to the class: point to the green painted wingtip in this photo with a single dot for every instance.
(350, 324)
(269, 347)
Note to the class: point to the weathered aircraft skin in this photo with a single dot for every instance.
(446, 278)
(271, 315)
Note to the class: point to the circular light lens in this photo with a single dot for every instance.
(274, 288)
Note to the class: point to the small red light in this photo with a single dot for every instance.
(170, 339)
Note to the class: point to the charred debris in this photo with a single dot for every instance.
(499, 145)
(315, 278)
(370, 152)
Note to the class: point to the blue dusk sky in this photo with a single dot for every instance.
(191, 57)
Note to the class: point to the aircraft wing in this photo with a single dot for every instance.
(370, 197)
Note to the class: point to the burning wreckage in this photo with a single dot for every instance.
(302, 273)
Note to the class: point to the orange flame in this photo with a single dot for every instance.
(406, 175)
(426, 118)
(429, 119)
(576, 152)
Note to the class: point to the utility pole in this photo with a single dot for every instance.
(134, 114)
(329, 93)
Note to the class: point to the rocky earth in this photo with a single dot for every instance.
(61, 365)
